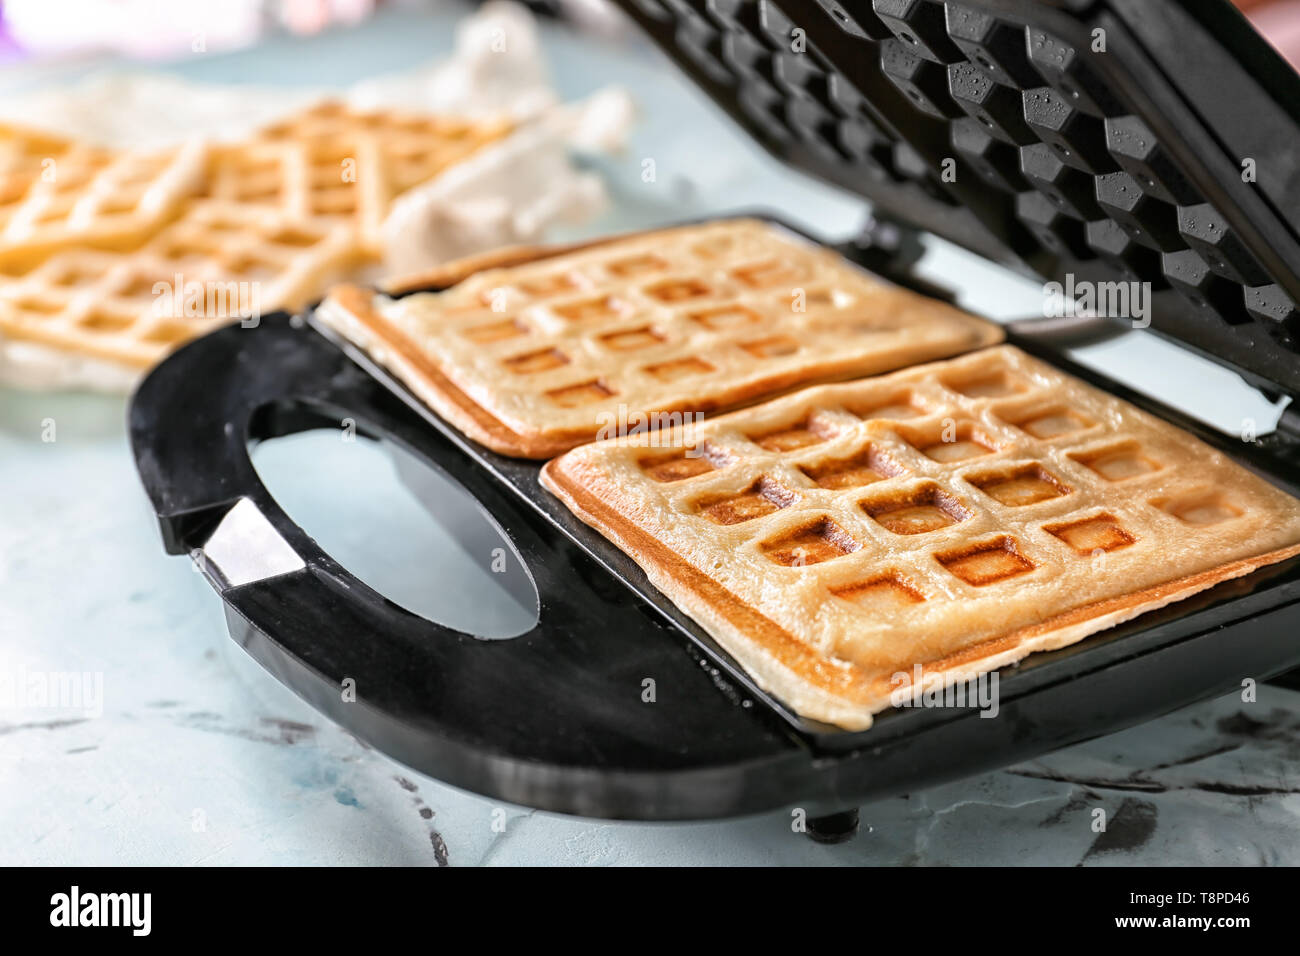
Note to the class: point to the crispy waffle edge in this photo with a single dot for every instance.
(350, 311)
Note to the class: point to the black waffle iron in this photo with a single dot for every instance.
(1106, 140)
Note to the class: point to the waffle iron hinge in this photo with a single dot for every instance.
(1286, 437)
(891, 249)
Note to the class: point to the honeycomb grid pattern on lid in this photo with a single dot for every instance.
(920, 514)
(692, 318)
(795, 98)
(1049, 153)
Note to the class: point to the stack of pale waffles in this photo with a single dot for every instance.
(119, 256)
(847, 543)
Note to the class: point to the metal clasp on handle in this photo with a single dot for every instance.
(245, 547)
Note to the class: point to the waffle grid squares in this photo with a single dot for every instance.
(86, 248)
(131, 308)
(59, 194)
(333, 161)
(973, 489)
(655, 322)
(929, 558)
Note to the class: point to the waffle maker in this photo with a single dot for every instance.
(1106, 140)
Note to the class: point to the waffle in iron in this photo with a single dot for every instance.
(957, 516)
(536, 358)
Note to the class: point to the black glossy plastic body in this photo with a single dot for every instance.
(554, 719)
(883, 92)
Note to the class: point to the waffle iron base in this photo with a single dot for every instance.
(555, 719)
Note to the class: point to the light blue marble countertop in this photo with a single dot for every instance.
(198, 757)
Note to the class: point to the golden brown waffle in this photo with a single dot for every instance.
(225, 260)
(23, 158)
(330, 160)
(286, 212)
(56, 194)
(536, 358)
(956, 516)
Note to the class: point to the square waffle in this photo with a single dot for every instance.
(107, 305)
(330, 160)
(56, 194)
(87, 234)
(535, 358)
(958, 516)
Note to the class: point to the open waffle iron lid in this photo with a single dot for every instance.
(1149, 141)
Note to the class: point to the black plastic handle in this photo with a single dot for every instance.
(553, 718)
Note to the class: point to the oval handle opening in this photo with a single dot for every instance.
(403, 527)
